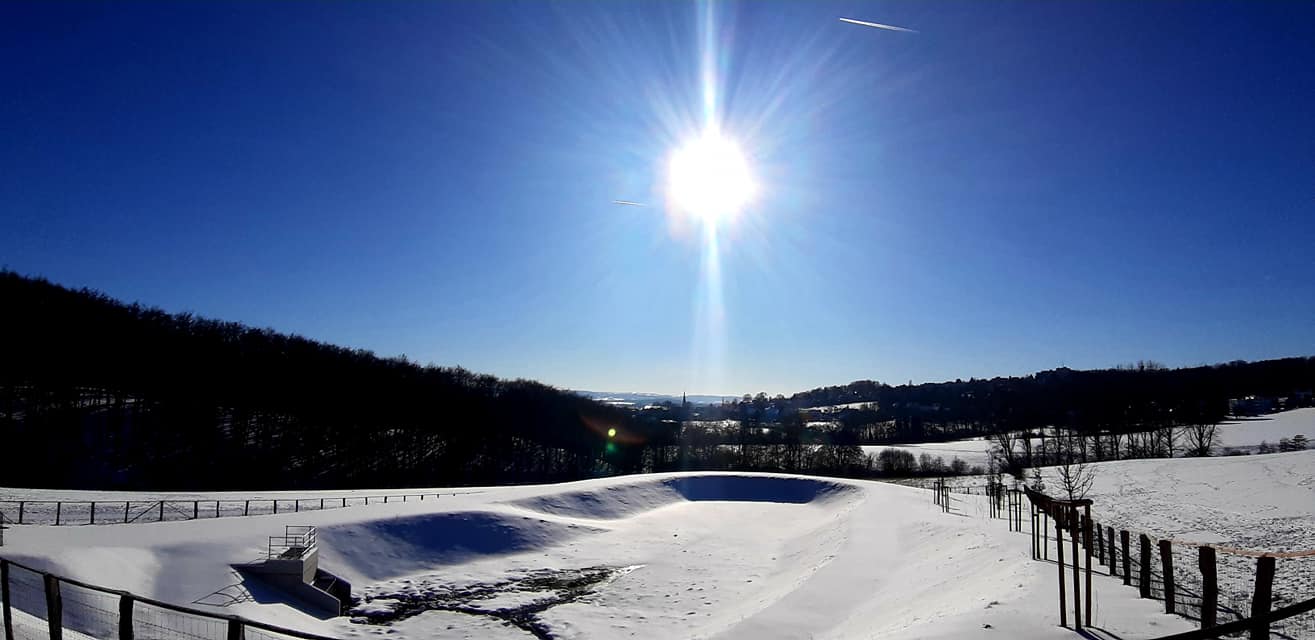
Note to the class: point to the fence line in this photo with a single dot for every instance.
(1192, 594)
(47, 605)
(100, 512)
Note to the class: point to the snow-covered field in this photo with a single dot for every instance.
(1239, 434)
(975, 452)
(1246, 434)
(1259, 503)
(659, 556)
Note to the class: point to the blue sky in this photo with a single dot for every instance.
(1016, 187)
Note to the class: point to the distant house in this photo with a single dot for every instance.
(1252, 405)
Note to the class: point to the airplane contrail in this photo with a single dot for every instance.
(629, 203)
(877, 25)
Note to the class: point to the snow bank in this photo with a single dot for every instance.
(381, 549)
(689, 555)
(619, 501)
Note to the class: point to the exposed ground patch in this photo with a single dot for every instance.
(517, 601)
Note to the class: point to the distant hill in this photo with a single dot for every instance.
(628, 398)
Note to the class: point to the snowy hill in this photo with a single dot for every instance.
(1246, 434)
(1259, 502)
(661, 556)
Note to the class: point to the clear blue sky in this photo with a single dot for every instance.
(1016, 187)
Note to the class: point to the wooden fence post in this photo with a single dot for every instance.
(216, 508)
(1145, 575)
(196, 509)
(235, 629)
(1260, 600)
(162, 511)
(4, 600)
(125, 616)
(1045, 534)
(1127, 558)
(21, 504)
(1086, 543)
(1209, 587)
(54, 607)
(1075, 529)
(1166, 565)
(1114, 555)
(93, 512)
(276, 505)
(1063, 602)
(1100, 542)
(59, 508)
(246, 507)
(125, 511)
(1032, 509)
(321, 504)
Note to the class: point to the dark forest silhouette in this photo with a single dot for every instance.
(95, 393)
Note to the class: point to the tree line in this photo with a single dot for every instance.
(95, 393)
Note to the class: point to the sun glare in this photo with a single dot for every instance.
(709, 179)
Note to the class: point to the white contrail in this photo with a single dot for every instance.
(877, 25)
(629, 203)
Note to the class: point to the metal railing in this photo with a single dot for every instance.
(296, 541)
(37, 604)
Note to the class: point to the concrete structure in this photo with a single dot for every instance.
(292, 565)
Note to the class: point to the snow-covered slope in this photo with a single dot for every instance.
(975, 452)
(1258, 502)
(662, 556)
(1246, 434)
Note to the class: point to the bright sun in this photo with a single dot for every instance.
(709, 179)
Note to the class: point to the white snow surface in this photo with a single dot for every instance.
(976, 452)
(1246, 434)
(697, 555)
(1259, 503)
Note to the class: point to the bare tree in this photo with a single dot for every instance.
(1075, 477)
(1038, 481)
(1003, 456)
(1200, 439)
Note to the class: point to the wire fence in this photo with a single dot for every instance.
(1213, 585)
(88, 512)
(42, 606)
